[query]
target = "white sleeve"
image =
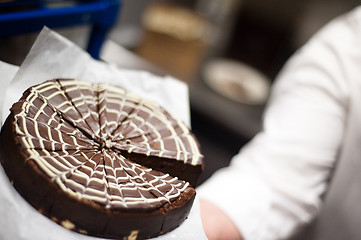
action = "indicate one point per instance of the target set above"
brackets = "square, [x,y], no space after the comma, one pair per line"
[276,182]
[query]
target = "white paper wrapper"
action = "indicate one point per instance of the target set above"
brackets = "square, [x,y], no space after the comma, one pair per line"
[53,56]
[7,72]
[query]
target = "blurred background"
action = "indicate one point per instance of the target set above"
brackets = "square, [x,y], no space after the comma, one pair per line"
[228,52]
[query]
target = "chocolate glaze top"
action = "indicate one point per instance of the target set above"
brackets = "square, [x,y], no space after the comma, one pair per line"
[79,133]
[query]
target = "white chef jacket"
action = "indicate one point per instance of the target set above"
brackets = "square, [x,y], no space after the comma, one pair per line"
[278,182]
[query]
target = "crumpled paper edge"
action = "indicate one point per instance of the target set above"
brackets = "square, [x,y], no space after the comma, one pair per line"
[51,53]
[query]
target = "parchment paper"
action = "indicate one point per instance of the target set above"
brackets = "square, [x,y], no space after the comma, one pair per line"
[53,56]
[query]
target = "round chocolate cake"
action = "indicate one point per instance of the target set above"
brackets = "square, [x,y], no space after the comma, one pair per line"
[100,160]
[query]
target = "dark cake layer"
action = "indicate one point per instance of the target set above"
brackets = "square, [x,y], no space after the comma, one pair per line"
[99,160]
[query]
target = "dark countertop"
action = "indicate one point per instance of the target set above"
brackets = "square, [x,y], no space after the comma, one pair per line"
[243,119]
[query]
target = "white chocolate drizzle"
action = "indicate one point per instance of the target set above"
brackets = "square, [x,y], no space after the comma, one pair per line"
[77,131]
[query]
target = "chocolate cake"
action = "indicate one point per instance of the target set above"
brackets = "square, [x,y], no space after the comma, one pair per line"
[100,160]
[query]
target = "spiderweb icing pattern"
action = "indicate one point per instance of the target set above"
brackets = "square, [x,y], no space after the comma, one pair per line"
[77,132]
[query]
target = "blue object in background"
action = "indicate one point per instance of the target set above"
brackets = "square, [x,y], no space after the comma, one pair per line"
[26,16]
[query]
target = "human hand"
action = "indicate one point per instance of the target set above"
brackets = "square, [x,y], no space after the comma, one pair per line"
[216,224]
